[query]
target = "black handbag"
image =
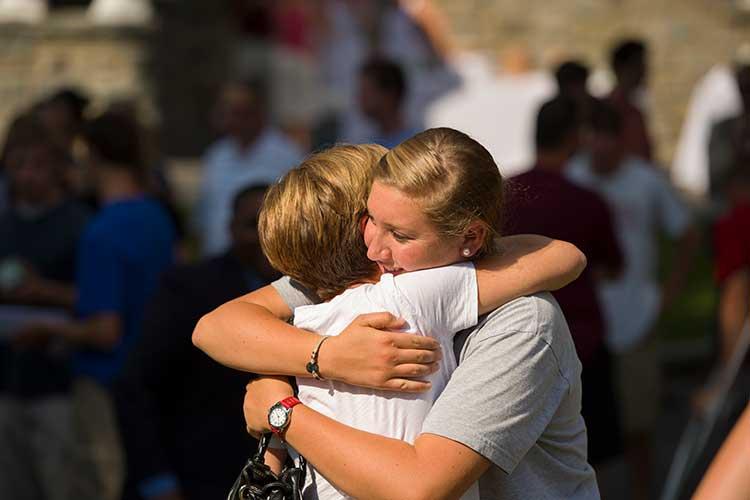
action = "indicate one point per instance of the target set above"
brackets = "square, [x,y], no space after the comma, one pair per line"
[258,482]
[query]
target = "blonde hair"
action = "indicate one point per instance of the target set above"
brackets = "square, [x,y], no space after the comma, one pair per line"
[309,224]
[454,177]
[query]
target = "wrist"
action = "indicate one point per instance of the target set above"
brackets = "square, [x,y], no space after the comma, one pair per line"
[327,359]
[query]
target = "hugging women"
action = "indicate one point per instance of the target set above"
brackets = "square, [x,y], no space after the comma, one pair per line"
[413,232]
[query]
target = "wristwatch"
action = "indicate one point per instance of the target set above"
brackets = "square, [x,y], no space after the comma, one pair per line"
[280,414]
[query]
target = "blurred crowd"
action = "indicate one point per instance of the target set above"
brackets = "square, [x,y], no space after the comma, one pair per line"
[104,270]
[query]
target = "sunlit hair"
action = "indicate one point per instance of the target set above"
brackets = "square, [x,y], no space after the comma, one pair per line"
[310,222]
[454,177]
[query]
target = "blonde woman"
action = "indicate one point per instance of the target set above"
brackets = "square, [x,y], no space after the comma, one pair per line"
[516,402]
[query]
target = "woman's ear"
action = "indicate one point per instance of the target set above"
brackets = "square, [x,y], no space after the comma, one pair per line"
[362,223]
[473,239]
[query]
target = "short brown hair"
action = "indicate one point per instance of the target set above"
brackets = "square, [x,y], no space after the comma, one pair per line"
[309,224]
[454,176]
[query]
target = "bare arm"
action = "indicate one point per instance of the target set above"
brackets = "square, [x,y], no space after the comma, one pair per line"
[404,471]
[249,333]
[101,331]
[528,264]
[728,477]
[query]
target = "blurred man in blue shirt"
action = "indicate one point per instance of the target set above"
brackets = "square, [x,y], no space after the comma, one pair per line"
[121,256]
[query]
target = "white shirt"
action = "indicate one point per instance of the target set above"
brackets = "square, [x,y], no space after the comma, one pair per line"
[643,204]
[498,110]
[714,98]
[227,169]
[437,302]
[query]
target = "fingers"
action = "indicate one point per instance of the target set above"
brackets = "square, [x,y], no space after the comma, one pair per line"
[405,385]
[410,370]
[413,341]
[380,321]
[417,356]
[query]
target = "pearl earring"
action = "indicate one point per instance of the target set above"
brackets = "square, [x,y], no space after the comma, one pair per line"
[466,252]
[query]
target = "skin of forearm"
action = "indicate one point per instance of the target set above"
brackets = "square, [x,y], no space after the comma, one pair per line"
[60,294]
[102,331]
[369,466]
[728,477]
[248,337]
[527,265]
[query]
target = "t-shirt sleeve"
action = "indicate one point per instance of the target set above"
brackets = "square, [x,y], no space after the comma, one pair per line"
[294,294]
[673,214]
[443,299]
[99,278]
[505,391]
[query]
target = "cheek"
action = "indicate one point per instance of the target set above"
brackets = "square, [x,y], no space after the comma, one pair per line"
[368,232]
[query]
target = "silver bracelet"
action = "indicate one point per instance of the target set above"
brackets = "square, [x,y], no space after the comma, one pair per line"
[312,365]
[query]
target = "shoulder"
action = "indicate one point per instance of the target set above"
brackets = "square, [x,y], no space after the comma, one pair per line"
[522,329]
[536,314]
[219,148]
[274,141]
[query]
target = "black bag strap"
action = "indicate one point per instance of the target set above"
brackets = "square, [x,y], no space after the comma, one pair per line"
[257,481]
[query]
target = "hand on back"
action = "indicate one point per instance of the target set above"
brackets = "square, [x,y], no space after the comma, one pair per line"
[369,353]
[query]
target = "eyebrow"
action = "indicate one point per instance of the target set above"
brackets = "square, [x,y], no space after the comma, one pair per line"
[391,227]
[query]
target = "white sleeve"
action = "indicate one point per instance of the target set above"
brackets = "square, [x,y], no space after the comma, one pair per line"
[444,299]
[674,216]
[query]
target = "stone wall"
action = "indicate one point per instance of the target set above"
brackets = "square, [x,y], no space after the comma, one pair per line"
[686,38]
[67,50]
[171,69]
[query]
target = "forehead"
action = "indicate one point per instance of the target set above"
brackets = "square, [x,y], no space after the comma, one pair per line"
[387,205]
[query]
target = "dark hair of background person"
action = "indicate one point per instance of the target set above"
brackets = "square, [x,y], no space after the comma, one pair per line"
[570,73]
[115,139]
[26,131]
[626,52]
[386,75]
[605,119]
[73,98]
[556,121]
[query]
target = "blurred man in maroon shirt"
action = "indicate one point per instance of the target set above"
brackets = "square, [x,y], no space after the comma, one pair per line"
[542,201]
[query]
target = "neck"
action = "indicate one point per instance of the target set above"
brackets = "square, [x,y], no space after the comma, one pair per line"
[551,161]
[116,184]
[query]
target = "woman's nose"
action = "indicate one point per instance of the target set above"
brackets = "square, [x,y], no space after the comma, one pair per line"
[377,250]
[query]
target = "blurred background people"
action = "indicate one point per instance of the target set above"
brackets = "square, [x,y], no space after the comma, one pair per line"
[382,88]
[169,390]
[629,62]
[572,83]
[543,201]
[729,144]
[39,236]
[122,253]
[644,206]
[732,254]
[250,150]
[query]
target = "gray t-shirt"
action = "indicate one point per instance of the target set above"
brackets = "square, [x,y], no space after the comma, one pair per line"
[515,398]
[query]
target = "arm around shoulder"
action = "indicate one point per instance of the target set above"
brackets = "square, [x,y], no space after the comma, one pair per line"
[528,264]
[250,334]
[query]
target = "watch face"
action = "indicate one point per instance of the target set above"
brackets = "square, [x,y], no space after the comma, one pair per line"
[277,416]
